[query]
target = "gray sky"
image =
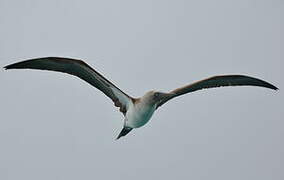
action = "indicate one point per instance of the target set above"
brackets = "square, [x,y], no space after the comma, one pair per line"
[55,126]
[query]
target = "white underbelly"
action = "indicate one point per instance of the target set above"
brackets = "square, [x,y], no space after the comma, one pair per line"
[137,116]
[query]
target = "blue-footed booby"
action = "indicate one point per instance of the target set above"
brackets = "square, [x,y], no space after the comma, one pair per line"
[137,111]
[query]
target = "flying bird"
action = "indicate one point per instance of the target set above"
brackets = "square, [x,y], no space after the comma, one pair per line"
[137,111]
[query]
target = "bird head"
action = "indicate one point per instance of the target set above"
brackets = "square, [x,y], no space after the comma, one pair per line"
[154,97]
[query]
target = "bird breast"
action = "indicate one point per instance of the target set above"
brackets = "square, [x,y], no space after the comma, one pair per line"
[139,114]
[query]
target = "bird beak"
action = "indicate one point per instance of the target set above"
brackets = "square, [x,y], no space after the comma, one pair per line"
[167,95]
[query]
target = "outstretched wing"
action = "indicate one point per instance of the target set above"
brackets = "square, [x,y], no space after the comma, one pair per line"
[219,81]
[80,69]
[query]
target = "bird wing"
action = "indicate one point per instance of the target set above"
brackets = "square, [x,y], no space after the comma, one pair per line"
[218,81]
[80,69]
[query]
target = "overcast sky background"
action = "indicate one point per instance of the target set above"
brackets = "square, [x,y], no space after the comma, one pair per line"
[55,126]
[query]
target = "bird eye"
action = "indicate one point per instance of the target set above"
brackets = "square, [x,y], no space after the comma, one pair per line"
[156,94]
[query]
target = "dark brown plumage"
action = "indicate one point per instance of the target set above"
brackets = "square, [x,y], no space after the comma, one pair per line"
[137,111]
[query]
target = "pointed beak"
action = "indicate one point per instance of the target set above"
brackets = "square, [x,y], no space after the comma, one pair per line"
[167,95]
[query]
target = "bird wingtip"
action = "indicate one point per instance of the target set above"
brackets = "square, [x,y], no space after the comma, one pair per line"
[17,65]
[274,88]
[6,67]
[271,86]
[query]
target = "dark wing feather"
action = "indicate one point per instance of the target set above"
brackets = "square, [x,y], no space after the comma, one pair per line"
[80,69]
[219,81]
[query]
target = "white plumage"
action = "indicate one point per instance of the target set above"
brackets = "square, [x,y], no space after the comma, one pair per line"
[137,111]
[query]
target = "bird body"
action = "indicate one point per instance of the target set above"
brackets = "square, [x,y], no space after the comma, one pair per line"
[137,111]
[138,114]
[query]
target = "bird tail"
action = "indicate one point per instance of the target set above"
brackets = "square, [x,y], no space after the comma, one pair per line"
[124,131]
